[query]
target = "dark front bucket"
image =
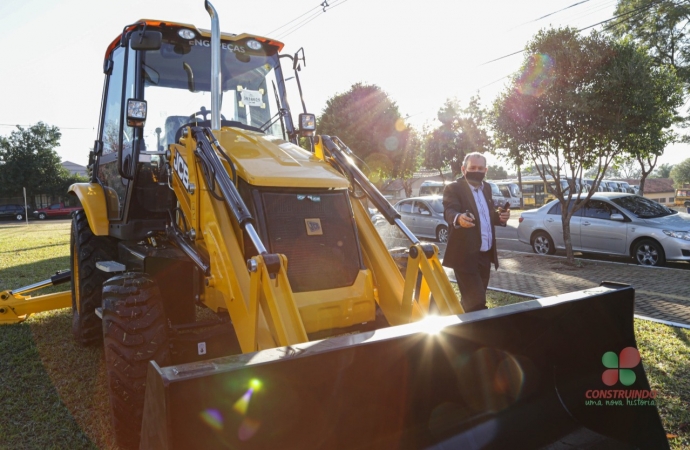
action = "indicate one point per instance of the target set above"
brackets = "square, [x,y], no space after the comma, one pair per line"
[529,375]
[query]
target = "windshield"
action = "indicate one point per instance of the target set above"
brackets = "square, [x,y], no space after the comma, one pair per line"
[642,207]
[177,86]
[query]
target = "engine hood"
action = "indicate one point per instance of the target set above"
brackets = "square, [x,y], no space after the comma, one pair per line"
[265,160]
[680,221]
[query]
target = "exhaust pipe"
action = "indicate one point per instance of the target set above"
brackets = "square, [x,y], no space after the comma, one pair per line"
[215,66]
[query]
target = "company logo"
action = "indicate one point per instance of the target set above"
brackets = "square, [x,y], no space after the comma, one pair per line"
[313,227]
[619,367]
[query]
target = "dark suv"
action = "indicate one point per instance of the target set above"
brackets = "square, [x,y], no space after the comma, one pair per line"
[14,211]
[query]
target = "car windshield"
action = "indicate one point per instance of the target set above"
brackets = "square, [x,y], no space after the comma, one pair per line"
[178,84]
[643,208]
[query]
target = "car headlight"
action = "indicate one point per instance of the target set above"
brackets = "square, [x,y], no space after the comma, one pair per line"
[685,235]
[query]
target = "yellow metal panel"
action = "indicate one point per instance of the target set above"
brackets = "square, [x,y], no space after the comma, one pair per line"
[264,160]
[93,201]
[17,308]
[338,308]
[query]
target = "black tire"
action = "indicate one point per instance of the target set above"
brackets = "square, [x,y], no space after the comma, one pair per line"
[42,216]
[19,216]
[135,331]
[442,234]
[87,281]
[648,252]
[542,244]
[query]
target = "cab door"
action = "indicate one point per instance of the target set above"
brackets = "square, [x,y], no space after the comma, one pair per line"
[114,134]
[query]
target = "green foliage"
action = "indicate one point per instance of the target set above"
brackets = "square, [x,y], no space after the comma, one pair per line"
[496,173]
[369,122]
[681,173]
[462,131]
[663,171]
[28,159]
[660,26]
[580,103]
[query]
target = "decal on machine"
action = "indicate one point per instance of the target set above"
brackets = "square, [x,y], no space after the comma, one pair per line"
[181,169]
[223,45]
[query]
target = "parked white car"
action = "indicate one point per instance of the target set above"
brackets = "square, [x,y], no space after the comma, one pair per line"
[612,223]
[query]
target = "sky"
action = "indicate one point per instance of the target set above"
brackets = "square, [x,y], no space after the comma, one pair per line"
[421,53]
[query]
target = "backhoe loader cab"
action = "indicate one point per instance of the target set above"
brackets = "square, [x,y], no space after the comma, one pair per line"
[244,298]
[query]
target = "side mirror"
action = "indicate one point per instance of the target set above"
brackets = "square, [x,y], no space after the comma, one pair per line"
[617,217]
[136,113]
[307,124]
[146,40]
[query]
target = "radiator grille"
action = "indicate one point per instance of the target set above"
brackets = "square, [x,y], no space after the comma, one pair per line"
[319,257]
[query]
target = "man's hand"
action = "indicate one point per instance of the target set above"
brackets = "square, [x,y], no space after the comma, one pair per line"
[466,220]
[503,215]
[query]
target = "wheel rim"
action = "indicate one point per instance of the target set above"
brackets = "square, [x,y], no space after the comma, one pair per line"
[647,255]
[541,245]
[19,217]
[443,235]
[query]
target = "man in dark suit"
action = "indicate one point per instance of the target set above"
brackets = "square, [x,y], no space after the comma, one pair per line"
[471,216]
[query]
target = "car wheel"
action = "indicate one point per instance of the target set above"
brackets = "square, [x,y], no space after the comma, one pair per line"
[649,253]
[19,216]
[442,234]
[542,243]
[42,216]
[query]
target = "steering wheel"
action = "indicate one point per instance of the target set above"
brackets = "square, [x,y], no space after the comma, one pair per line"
[203,112]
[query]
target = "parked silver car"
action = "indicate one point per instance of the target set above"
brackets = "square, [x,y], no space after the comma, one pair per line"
[612,223]
[424,216]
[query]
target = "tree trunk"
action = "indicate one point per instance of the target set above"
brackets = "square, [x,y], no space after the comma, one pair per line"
[565,220]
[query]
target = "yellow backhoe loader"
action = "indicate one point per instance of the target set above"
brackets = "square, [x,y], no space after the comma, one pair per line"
[244,298]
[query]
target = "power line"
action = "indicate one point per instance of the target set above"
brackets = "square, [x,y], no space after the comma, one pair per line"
[312,17]
[288,23]
[62,128]
[556,12]
[634,11]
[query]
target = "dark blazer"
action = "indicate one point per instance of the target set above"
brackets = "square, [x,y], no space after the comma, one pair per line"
[462,250]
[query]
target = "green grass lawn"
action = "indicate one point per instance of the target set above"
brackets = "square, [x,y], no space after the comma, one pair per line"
[54,392]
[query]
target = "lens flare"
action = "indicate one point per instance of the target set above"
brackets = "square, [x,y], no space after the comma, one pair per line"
[248,428]
[255,384]
[242,404]
[400,125]
[391,143]
[537,75]
[213,418]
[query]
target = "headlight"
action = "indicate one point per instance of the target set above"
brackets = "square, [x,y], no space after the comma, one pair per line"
[685,235]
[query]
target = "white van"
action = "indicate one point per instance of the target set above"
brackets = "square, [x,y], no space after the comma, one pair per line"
[433,187]
[511,192]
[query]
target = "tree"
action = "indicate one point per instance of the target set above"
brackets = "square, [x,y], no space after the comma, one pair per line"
[660,26]
[578,103]
[369,122]
[28,159]
[681,173]
[462,131]
[496,173]
[663,171]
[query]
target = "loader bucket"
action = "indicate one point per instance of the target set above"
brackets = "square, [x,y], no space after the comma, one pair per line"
[538,374]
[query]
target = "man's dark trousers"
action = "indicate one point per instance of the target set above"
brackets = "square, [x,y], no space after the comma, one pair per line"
[473,285]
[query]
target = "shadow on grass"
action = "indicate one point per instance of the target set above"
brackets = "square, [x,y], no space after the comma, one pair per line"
[24,274]
[33,415]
